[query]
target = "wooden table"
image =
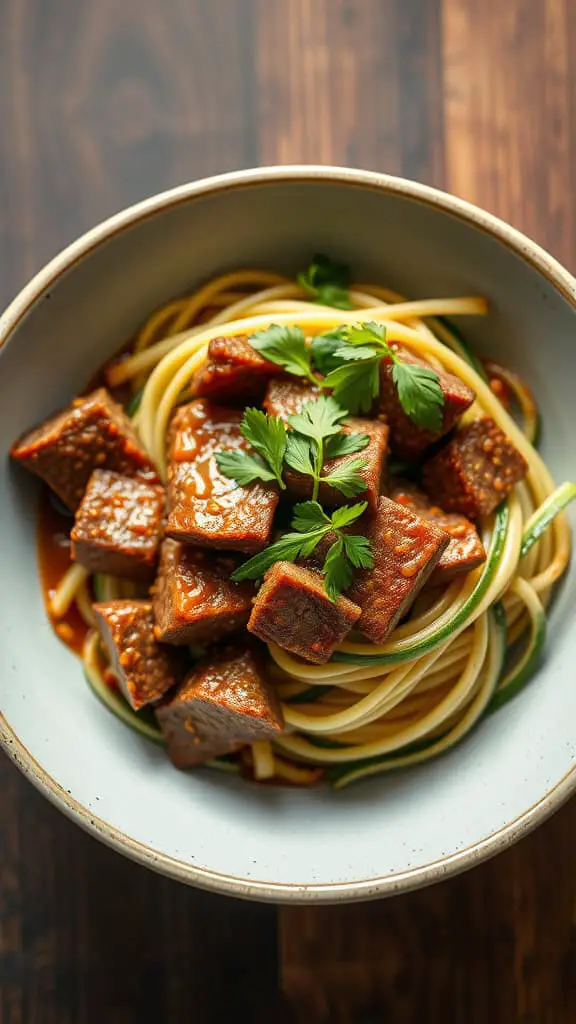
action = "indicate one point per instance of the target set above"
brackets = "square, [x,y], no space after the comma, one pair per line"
[103,103]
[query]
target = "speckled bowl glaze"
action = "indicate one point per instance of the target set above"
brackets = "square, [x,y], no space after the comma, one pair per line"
[388,834]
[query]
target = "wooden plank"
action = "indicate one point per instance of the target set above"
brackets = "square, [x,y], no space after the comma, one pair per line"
[508,102]
[496,944]
[328,83]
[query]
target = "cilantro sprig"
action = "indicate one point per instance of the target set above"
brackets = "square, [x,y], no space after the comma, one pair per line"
[310,524]
[348,358]
[327,282]
[316,436]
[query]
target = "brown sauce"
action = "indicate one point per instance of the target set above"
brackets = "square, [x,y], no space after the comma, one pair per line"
[54,559]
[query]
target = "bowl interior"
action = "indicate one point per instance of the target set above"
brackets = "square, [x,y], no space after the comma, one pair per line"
[245,835]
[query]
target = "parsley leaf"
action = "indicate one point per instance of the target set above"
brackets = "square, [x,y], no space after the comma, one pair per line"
[310,524]
[353,354]
[323,348]
[318,419]
[299,455]
[326,281]
[286,347]
[337,570]
[370,332]
[355,385]
[287,549]
[353,375]
[347,478]
[420,394]
[267,434]
[358,551]
[345,444]
[309,515]
[243,467]
[348,514]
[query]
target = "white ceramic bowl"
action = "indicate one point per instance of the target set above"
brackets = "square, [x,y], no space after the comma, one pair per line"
[387,834]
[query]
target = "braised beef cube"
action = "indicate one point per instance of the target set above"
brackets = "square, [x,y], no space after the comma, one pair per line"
[233,372]
[194,598]
[93,432]
[475,470]
[407,439]
[145,669]
[224,703]
[205,507]
[118,525]
[293,610]
[406,550]
[286,397]
[465,550]
[300,486]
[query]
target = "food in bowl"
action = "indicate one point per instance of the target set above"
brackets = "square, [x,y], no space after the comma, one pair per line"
[312,537]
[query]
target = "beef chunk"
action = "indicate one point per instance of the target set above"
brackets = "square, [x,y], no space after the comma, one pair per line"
[234,372]
[94,432]
[293,610]
[475,471]
[300,486]
[194,598]
[145,669]
[286,397]
[118,525]
[224,703]
[406,549]
[465,550]
[407,440]
[205,507]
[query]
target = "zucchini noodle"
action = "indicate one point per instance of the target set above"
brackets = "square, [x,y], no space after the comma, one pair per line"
[373,707]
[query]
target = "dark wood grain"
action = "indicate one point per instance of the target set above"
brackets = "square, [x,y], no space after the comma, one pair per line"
[102,104]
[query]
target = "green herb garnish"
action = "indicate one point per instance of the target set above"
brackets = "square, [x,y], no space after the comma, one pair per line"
[267,435]
[356,382]
[286,347]
[327,282]
[310,524]
[349,358]
[315,436]
[315,427]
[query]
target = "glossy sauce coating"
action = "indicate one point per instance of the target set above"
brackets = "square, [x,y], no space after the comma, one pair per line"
[406,549]
[206,508]
[194,599]
[54,560]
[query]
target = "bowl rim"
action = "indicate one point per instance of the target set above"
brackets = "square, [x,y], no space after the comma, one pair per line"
[203,877]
